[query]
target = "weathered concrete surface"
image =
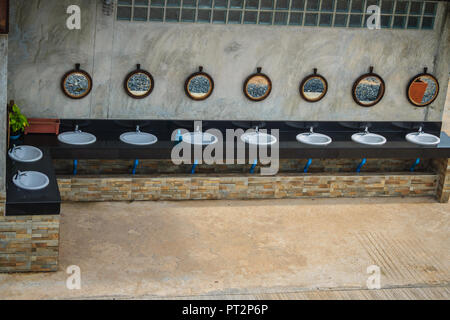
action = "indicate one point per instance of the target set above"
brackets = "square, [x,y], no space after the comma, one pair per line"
[43,50]
[3,102]
[128,250]
[446,118]
[422,293]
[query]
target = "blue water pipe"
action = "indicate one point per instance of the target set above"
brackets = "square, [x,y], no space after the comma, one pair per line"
[75,167]
[136,162]
[178,137]
[194,166]
[413,167]
[363,162]
[252,169]
[305,169]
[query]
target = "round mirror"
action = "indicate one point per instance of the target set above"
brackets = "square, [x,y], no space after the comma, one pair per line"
[139,83]
[423,89]
[199,85]
[77,83]
[258,86]
[314,87]
[368,89]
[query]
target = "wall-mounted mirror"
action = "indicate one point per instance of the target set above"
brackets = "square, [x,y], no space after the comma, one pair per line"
[199,85]
[257,86]
[314,87]
[423,89]
[139,83]
[368,89]
[77,83]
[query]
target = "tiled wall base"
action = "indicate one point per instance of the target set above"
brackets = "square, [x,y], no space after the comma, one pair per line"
[443,188]
[147,166]
[2,202]
[29,243]
[240,186]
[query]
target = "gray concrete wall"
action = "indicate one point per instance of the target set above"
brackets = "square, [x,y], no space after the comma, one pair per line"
[42,50]
[3,102]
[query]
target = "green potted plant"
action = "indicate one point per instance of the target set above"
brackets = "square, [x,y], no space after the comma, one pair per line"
[17,122]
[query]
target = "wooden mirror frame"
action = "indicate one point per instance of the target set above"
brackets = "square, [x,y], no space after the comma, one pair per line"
[425,73]
[309,77]
[67,74]
[192,76]
[132,73]
[380,94]
[257,74]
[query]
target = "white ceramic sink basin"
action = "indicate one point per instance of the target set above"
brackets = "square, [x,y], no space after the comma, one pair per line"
[422,138]
[30,180]
[138,138]
[258,138]
[199,138]
[77,137]
[368,138]
[316,139]
[25,154]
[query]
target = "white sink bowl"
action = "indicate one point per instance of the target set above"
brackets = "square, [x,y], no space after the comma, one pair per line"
[258,138]
[77,138]
[315,139]
[422,138]
[371,139]
[138,138]
[25,154]
[199,138]
[30,180]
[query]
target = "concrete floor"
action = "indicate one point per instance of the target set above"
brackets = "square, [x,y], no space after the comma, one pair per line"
[248,249]
[283,249]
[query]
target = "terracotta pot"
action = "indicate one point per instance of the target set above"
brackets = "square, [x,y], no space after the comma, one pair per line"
[42,126]
[417,91]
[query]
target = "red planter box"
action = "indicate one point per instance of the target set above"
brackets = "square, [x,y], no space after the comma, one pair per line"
[42,126]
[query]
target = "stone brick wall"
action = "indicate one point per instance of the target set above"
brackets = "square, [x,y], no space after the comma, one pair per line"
[233,186]
[29,243]
[2,202]
[147,166]
[443,188]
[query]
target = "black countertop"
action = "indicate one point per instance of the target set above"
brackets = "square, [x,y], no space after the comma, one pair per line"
[38,202]
[108,145]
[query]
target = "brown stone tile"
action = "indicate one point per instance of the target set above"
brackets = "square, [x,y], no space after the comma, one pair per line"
[289,187]
[204,188]
[317,186]
[146,188]
[175,189]
[233,188]
[29,243]
[261,187]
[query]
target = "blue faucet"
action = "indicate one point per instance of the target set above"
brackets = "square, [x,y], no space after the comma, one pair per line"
[178,137]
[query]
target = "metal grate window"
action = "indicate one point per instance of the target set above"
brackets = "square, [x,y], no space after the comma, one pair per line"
[395,14]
